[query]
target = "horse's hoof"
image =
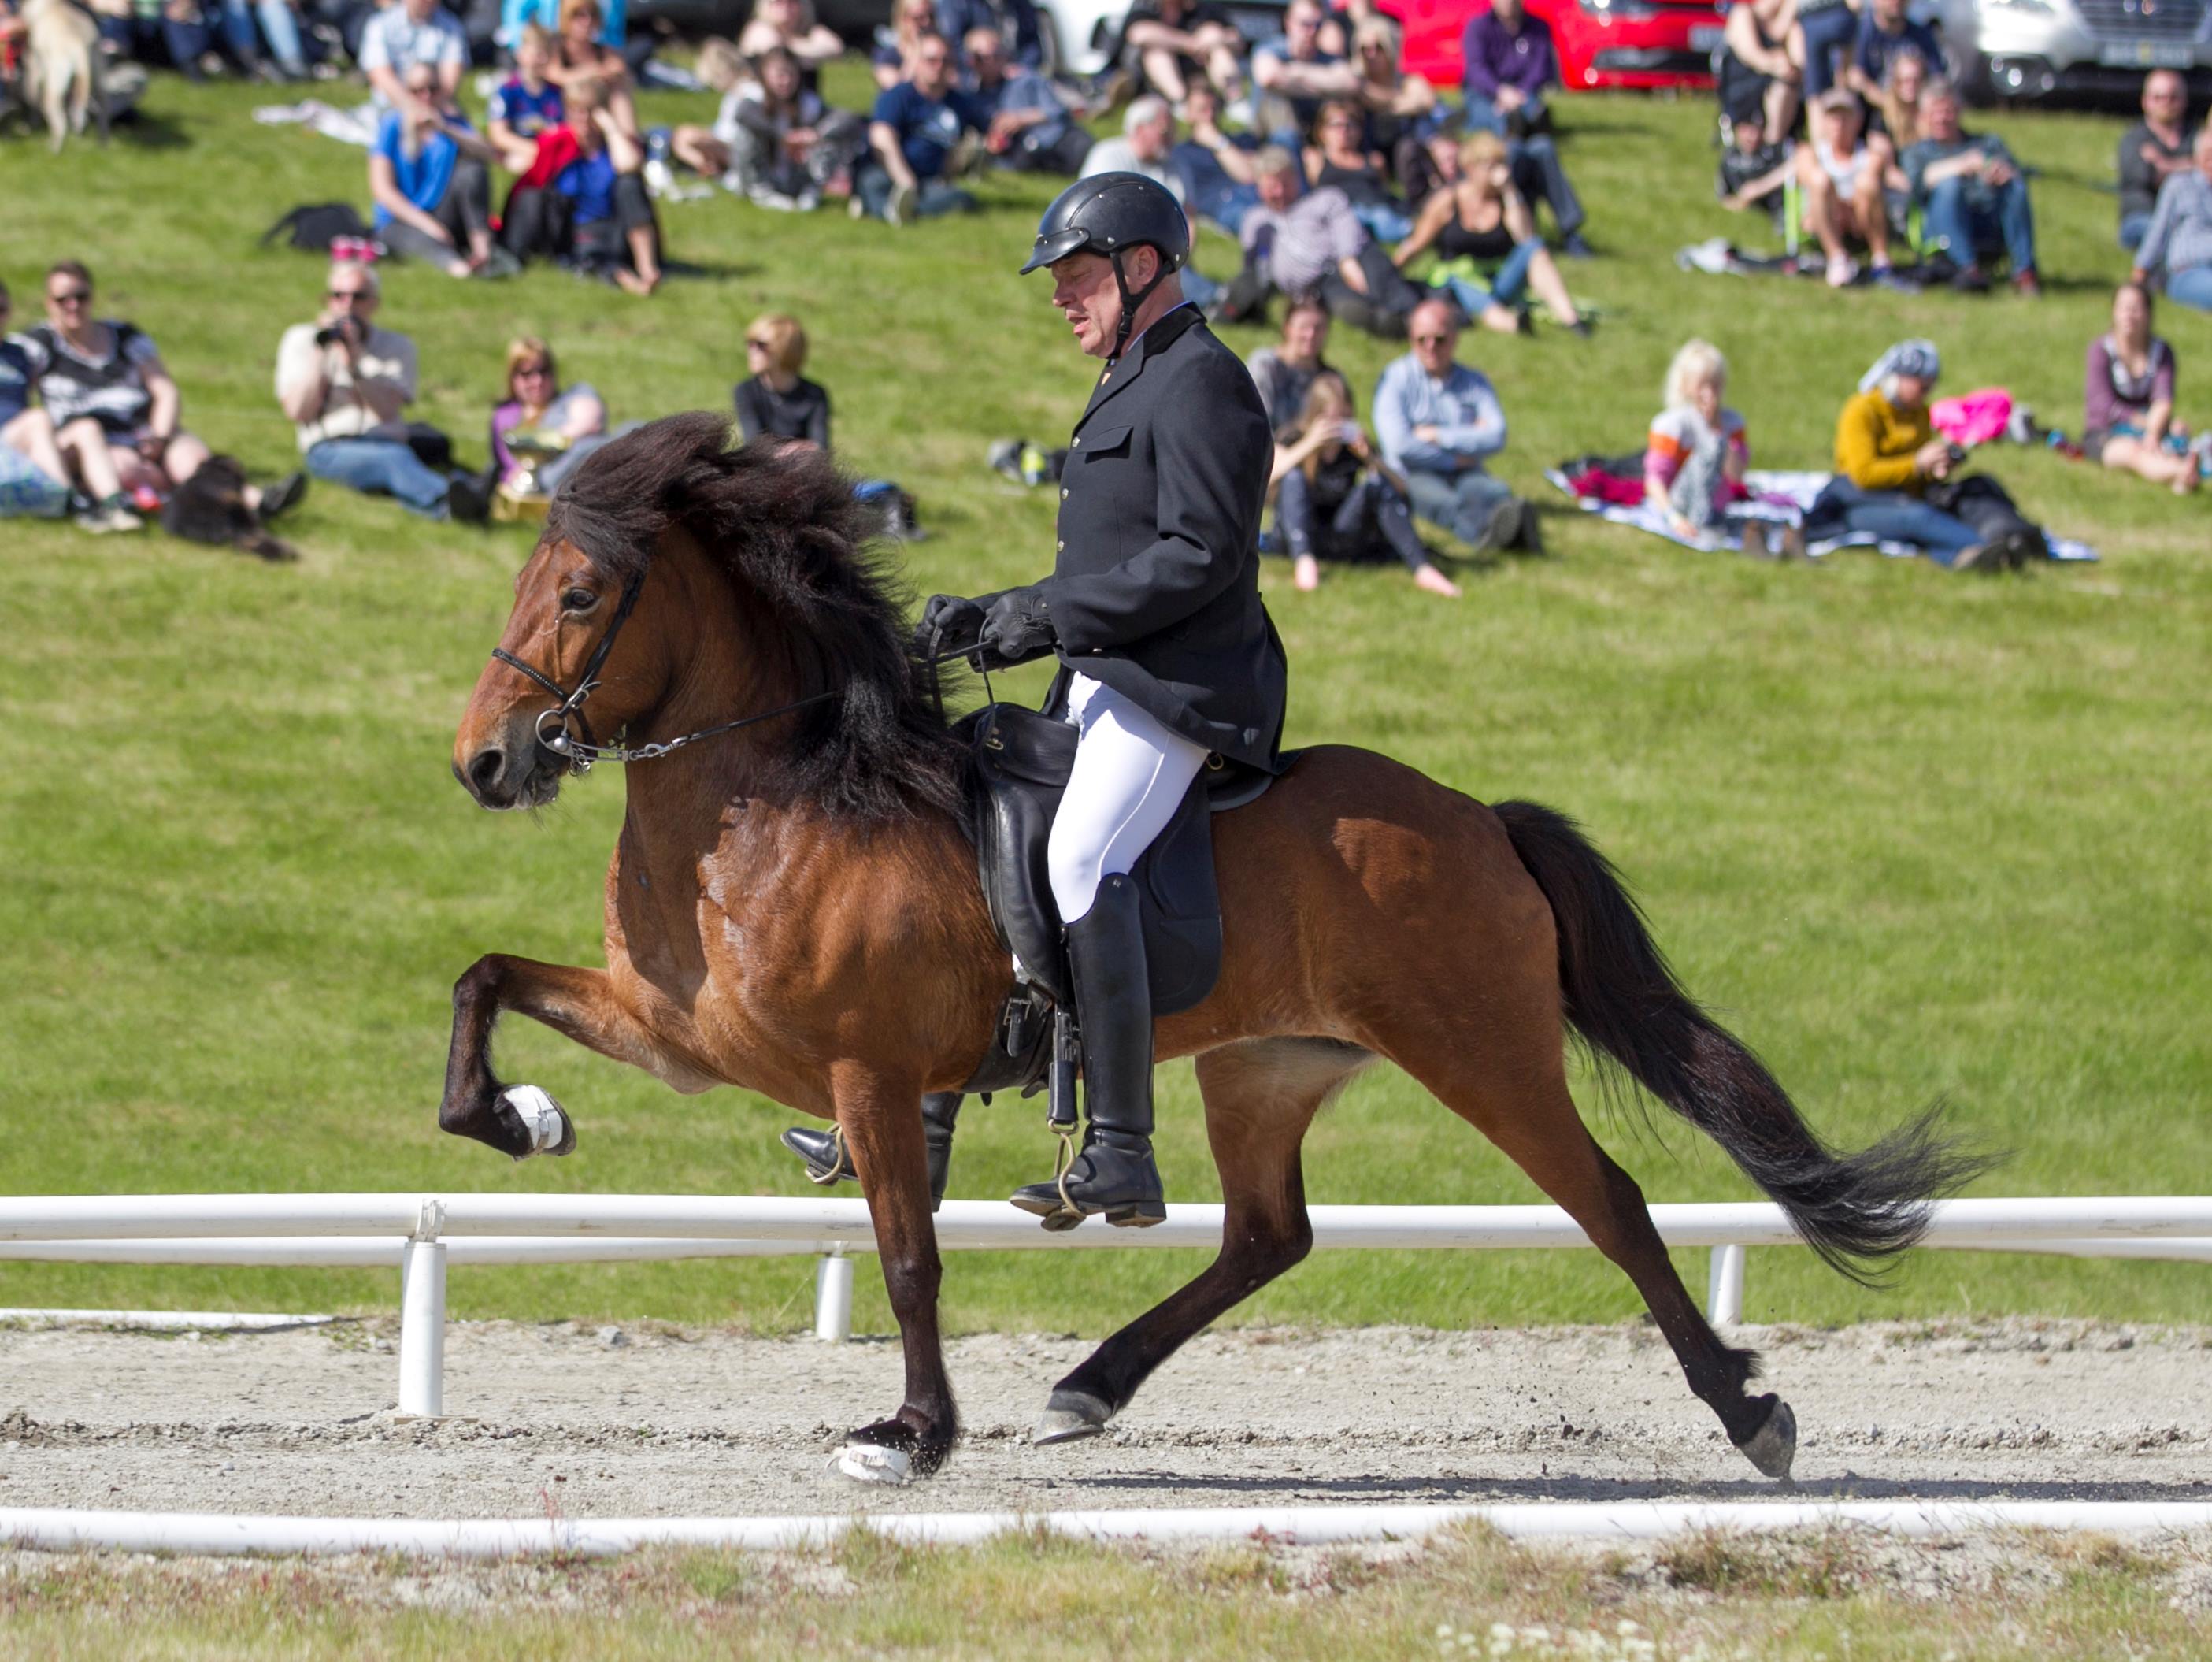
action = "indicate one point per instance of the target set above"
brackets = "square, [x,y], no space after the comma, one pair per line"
[1069,1417]
[1773,1446]
[872,1463]
[551,1131]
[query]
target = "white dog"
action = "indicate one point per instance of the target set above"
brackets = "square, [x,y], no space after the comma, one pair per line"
[63,73]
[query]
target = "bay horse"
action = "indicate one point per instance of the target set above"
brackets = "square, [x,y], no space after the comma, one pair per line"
[792,908]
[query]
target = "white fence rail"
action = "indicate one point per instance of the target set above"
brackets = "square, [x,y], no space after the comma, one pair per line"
[422,1235]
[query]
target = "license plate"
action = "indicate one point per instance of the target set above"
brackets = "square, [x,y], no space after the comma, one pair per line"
[1704,37]
[2150,54]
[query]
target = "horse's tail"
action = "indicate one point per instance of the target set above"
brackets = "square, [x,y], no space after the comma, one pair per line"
[1854,1210]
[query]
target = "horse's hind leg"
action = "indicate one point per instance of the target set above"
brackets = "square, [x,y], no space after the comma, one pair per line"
[523,1120]
[1261,1095]
[1520,1101]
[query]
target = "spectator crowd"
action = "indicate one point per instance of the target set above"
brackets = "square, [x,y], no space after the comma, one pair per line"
[1354,192]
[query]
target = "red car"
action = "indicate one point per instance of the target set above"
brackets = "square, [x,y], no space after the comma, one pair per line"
[1643,44]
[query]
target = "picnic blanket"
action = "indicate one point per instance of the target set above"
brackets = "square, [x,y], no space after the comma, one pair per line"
[1603,487]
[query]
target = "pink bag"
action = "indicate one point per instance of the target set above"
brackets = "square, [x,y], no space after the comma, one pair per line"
[1975,417]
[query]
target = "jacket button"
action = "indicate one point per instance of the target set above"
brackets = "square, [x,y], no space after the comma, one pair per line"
[1078,445]
[1059,548]
[1063,493]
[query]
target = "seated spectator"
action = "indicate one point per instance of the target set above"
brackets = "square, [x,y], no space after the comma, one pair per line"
[1400,106]
[1898,479]
[579,54]
[408,35]
[1147,146]
[1755,171]
[537,407]
[1313,245]
[346,384]
[157,32]
[1696,454]
[1014,22]
[1971,194]
[787,149]
[525,104]
[1759,81]
[33,478]
[891,58]
[1213,169]
[1339,156]
[1032,128]
[1285,373]
[581,197]
[1483,238]
[1823,36]
[1842,172]
[2177,243]
[1170,46]
[1437,420]
[427,177]
[2128,401]
[251,25]
[115,409]
[1336,499]
[790,24]
[1884,29]
[915,129]
[775,401]
[1902,89]
[1431,166]
[2156,149]
[1299,71]
[1509,62]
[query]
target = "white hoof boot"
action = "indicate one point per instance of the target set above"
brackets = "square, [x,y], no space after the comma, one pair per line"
[546,1120]
[868,1462]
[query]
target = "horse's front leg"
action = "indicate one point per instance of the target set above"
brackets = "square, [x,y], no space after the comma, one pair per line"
[522,1120]
[882,1125]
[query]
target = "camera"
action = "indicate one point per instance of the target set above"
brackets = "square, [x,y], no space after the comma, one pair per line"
[1956,453]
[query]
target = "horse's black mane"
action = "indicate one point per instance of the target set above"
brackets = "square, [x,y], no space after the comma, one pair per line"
[783,524]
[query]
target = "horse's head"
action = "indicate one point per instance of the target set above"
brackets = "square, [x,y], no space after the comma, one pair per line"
[577,660]
[683,591]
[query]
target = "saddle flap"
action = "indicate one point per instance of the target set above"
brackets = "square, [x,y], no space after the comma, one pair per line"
[1021,762]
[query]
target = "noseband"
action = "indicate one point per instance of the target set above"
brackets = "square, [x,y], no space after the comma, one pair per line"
[581,750]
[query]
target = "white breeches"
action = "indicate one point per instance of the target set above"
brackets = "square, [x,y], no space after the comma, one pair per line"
[1130,774]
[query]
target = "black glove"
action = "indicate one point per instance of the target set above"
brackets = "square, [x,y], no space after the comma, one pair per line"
[1017,629]
[949,624]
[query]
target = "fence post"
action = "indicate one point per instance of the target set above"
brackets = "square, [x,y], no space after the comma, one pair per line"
[1724,1287]
[832,1298]
[423,1318]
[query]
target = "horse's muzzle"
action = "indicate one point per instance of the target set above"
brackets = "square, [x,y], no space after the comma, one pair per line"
[501,778]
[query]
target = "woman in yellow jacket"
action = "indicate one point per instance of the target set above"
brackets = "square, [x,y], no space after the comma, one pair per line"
[1890,462]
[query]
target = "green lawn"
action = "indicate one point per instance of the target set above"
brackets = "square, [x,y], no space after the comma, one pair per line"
[1912,834]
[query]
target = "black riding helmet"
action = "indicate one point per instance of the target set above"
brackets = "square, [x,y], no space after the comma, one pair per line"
[1109,214]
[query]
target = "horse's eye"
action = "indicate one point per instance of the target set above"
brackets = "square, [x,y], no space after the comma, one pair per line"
[578,600]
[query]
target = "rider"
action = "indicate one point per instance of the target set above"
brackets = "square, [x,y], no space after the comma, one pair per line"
[1167,655]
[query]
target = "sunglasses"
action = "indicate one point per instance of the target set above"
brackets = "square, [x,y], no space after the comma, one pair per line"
[1431,340]
[70,297]
[356,296]
[758,346]
[532,371]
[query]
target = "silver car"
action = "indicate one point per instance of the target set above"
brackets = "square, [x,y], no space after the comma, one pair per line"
[2032,48]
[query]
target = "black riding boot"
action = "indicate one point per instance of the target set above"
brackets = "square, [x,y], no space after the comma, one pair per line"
[1114,1173]
[827,1160]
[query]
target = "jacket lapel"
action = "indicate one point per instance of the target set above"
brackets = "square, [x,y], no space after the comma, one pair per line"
[1154,341]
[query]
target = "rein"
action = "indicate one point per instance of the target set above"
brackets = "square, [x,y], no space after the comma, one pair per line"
[581,752]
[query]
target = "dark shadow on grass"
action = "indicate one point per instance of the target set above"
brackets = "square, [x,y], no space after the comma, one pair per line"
[142,130]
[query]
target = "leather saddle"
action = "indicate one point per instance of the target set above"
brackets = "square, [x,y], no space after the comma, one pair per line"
[1019,762]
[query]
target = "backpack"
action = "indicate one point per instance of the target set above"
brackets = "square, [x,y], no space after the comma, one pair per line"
[315,226]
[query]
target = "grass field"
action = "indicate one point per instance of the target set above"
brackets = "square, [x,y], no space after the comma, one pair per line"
[1710,1598]
[1912,834]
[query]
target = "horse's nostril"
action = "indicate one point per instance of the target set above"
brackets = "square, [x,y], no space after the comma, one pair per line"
[484,766]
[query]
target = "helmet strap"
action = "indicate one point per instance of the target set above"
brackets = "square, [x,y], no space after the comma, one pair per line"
[1131,299]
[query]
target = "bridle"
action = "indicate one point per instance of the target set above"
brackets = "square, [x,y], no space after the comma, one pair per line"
[580,753]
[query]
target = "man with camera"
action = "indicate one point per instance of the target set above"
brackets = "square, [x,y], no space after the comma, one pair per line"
[344,383]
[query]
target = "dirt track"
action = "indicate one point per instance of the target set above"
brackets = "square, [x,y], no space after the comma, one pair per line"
[658,1423]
